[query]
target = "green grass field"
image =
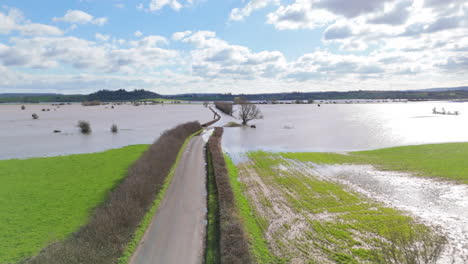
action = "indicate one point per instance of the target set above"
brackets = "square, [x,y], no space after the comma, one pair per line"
[45,199]
[447,161]
[298,217]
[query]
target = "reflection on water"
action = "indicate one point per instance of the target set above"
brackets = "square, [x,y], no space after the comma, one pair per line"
[437,203]
[21,136]
[348,127]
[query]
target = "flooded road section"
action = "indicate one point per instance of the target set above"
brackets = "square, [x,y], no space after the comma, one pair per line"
[436,203]
[23,137]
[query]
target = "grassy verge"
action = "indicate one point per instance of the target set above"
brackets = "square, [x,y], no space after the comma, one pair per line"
[447,161]
[43,200]
[305,219]
[212,254]
[113,223]
[140,232]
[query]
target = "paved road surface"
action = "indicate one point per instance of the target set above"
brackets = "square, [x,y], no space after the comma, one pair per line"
[177,232]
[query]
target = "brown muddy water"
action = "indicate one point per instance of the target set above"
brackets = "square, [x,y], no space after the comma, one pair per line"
[23,137]
[348,127]
[440,204]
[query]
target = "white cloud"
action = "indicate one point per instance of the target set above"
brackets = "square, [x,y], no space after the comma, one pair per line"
[241,13]
[138,33]
[181,35]
[80,17]
[15,21]
[102,37]
[156,5]
[119,5]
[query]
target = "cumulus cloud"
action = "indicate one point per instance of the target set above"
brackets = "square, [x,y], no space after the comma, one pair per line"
[102,37]
[15,21]
[156,5]
[241,13]
[80,17]
[138,33]
[181,35]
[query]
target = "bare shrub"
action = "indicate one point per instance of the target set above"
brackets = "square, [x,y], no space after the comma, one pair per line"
[205,104]
[224,107]
[35,116]
[84,127]
[114,128]
[234,247]
[112,225]
[249,111]
[23,107]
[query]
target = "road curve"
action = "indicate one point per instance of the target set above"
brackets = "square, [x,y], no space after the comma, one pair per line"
[176,234]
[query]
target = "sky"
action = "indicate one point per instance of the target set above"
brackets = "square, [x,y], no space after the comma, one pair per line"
[232,46]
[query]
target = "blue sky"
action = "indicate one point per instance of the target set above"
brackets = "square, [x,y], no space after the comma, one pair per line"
[250,46]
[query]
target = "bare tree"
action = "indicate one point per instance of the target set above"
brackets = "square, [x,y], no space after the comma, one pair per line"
[249,111]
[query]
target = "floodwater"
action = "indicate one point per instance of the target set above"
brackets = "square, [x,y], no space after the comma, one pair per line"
[436,203]
[23,137]
[348,127]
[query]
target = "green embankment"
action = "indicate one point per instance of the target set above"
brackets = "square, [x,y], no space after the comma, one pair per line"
[45,199]
[308,219]
[447,161]
[254,225]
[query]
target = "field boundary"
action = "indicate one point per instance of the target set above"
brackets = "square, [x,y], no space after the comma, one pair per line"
[233,245]
[143,227]
[112,224]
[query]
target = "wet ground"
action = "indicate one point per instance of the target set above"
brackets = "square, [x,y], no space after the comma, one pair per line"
[23,137]
[440,204]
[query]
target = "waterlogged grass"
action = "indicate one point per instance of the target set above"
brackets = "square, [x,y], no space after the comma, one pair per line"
[448,161]
[212,253]
[305,219]
[45,199]
[253,224]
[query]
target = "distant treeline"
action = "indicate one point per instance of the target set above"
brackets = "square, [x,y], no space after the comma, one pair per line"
[123,95]
[410,95]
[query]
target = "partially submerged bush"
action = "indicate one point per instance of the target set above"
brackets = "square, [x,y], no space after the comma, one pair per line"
[224,107]
[91,103]
[114,128]
[35,116]
[23,107]
[113,223]
[84,126]
[234,248]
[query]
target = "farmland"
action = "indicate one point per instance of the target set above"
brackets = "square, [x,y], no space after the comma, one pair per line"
[43,200]
[445,161]
[305,219]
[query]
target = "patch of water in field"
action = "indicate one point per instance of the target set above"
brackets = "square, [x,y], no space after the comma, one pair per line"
[437,203]
[348,127]
[22,137]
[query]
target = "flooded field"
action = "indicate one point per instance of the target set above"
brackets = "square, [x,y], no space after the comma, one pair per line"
[348,127]
[439,204]
[23,137]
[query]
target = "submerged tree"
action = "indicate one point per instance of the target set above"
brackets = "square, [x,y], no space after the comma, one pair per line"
[249,111]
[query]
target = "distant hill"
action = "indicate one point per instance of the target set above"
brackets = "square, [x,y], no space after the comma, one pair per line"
[461,88]
[455,93]
[26,94]
[122,95]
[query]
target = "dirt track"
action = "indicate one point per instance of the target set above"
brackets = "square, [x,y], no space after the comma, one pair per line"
[177,232]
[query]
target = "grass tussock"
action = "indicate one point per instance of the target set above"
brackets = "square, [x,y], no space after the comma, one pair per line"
[224,107]
[112,225]
[234,247]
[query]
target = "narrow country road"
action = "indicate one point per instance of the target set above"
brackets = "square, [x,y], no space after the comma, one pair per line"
[176,234]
